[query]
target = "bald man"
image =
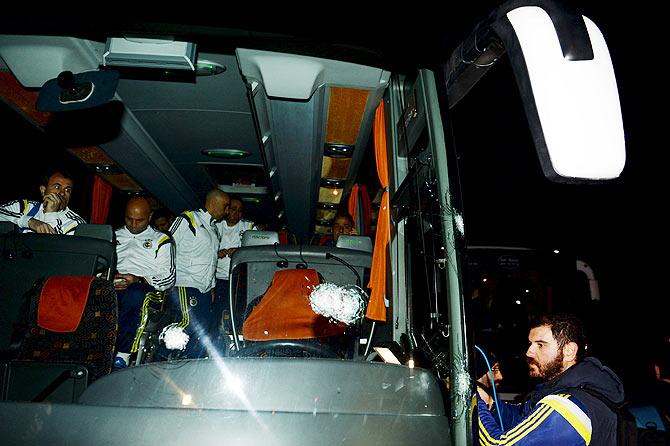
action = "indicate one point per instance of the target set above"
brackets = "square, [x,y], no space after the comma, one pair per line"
[145,264]
[197,241]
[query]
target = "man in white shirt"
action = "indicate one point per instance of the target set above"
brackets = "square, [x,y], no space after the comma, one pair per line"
[145,264]
[51,215]
[197,242]
[231,230]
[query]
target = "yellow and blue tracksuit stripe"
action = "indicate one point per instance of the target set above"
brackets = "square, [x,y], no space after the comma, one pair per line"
[195,310]
[557,419]
[130,300]
[149,298]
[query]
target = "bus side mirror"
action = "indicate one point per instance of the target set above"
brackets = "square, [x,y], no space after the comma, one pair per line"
[565,76]
[566,80]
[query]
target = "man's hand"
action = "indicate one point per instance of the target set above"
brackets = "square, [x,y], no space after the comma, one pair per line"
[226,252]
[123,281]
[53,203]
[40,227]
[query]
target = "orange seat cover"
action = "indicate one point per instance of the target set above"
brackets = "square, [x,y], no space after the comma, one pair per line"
[62,303]
[285,312]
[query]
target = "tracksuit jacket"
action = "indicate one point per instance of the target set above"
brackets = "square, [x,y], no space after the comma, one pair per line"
[557,412]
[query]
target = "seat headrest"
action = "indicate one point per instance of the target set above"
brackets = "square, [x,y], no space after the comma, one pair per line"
[357,242]
[102,232]
[257,238]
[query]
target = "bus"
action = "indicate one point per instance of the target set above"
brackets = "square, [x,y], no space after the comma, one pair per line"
[291,120]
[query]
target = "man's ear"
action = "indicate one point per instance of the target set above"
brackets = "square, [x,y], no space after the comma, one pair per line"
[43,190]
[570,352]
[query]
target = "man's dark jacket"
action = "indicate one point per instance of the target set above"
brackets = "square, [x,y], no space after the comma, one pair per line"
[588,374]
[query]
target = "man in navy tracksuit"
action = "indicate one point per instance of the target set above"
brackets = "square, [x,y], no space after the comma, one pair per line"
[558,412]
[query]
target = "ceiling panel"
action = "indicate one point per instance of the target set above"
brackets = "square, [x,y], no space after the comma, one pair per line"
[197,177]
[225,91]
[206,130]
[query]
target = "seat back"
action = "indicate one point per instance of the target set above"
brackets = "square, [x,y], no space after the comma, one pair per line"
[27,257]
[262,262]
[91,343]
[357,242]
[260,238]
[259,264]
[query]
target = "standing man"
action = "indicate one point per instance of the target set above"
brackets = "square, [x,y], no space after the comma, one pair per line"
[51,215]
[145,264]
[162,219]
[197,241]
[231,230]
[561,410]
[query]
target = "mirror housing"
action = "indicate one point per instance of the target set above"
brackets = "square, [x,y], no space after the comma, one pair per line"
[565,76]
[78,91]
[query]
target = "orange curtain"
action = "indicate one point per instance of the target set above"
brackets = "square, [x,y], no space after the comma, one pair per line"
[377,308]
[102,195]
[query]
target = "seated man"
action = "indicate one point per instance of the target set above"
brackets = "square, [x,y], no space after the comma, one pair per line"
[486,379]
[51,215]
[343,224]
[145,264]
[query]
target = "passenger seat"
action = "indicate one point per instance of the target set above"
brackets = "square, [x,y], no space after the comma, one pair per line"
[28,259]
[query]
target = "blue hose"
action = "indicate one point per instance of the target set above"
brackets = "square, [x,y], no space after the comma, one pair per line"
[493,385]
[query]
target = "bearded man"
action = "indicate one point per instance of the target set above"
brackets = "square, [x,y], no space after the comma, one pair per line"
[567,407]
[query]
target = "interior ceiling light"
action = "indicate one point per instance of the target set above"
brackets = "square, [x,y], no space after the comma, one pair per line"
[331,182]
[339,150]
[330,195]
[251,200]
[225,153]
[106,169]
[207,68]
